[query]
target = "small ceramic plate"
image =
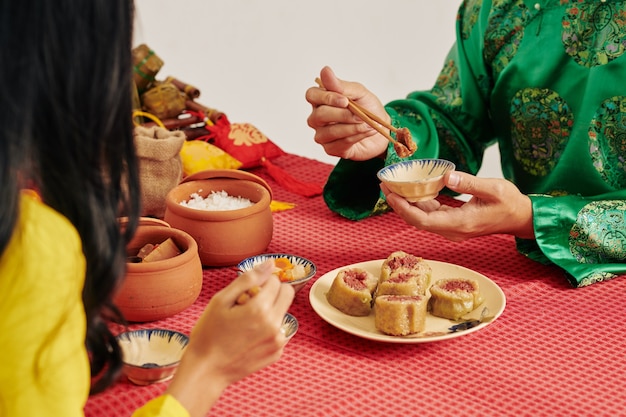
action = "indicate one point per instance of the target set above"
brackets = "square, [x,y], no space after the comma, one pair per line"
[436,328]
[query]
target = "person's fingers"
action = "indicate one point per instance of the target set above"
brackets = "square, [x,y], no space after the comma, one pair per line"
[247,282]
[428,206]
[330,80]
[464,183]
[285,297]
[329,115]
[274,299]
[395,201]
[342,89]
[460,182]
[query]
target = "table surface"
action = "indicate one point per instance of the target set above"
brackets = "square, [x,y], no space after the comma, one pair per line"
[555,350]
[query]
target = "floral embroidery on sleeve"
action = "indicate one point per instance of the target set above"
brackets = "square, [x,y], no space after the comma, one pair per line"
[599,234]
[607,141]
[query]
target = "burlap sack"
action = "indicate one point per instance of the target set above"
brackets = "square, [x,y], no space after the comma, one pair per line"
[160,166]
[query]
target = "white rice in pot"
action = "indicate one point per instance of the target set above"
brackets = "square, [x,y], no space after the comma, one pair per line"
[216,201]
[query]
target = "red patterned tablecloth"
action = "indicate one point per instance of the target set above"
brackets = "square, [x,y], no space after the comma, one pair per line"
[555,351]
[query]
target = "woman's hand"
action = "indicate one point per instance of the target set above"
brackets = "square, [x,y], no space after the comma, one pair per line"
[231,340]
[496,206]
[340,132]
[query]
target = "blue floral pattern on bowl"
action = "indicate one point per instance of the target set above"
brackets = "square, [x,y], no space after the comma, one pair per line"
[249,263]
[416,179]
[151,355]
[289,326]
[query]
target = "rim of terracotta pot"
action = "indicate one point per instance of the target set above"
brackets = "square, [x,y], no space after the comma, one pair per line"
[173,205]
[143,221]
[228,173]
[186,254]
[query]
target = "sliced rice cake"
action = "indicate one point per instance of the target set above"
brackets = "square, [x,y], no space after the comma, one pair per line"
[400,315]
[452,298]
[351,291]
[404,283]
[400,261]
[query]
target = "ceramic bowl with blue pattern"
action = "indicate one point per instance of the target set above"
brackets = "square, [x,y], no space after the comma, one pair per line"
[151,355]
[289,326]
[417,179]
[300,272]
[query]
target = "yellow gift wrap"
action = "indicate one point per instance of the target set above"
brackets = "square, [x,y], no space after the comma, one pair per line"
[197,155]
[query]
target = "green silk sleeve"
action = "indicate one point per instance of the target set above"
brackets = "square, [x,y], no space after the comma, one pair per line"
[352,188]
[585,236]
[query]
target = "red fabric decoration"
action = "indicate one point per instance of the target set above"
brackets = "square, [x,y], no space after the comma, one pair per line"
[220,129]
[284,179]
[244,142]
[252,148]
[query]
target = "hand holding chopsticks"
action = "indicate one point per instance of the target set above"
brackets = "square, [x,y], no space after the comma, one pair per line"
[403,144]
[246,295]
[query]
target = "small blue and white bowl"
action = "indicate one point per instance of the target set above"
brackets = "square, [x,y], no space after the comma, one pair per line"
[289,326]
[297,284]
[416,179]
[151,355]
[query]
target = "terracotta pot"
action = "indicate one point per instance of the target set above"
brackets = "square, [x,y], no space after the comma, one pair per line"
[159,289]
[224,237]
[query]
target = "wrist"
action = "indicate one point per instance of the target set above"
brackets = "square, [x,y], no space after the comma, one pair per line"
[196,385]
[524,213]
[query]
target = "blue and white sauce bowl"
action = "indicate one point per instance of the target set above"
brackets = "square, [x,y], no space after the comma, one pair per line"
[151,355]
[416,179]
[306,267]
[289,326]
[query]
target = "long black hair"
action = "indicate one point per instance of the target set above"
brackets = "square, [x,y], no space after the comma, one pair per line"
[66,127]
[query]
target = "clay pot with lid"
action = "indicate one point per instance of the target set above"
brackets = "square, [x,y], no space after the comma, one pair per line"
[224,237]
[159,289]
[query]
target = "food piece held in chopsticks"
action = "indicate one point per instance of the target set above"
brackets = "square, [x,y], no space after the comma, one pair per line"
[405,145]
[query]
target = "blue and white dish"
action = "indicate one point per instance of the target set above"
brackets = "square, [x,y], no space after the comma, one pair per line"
[289,326]
[309,267]
[151,355]
[416,179]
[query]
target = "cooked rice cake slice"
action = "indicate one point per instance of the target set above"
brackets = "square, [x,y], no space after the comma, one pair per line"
[400,315]
[452,298]
[400,261]
[404,283]
[351,291]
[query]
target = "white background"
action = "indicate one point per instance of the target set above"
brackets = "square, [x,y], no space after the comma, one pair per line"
[254,60]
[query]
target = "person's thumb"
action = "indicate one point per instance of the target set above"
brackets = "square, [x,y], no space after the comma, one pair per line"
[330,80]
[461,182]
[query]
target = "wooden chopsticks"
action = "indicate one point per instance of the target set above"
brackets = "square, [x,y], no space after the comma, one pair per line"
[368,117]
